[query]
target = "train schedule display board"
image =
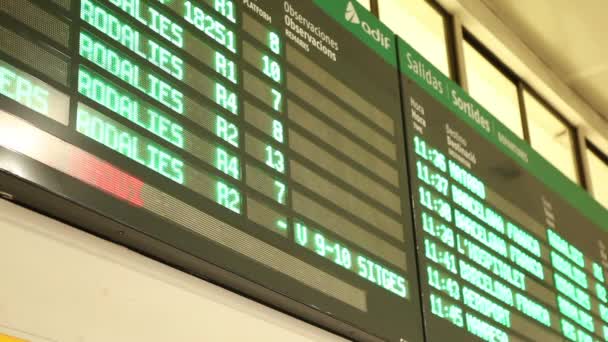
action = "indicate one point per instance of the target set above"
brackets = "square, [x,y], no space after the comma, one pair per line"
[508,248]
[257,143]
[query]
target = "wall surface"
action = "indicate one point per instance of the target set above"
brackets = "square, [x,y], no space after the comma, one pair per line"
[60,284]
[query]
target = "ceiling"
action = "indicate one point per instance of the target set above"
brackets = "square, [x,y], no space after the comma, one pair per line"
[570,36]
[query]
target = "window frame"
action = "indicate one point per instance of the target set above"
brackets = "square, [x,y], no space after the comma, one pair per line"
[572,132]
[489,55]
[448,29]
[601,155]
[373,5]
[449,37]
[522,86]
[468,37]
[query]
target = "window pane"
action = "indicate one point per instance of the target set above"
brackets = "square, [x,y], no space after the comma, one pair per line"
[550,136]
[598,171]
[365,4]
[490,87]
[420,25]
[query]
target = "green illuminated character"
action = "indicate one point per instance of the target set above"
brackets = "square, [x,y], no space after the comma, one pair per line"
[226,8]
[301,234]
[343,257]
[23,91]
[277,130]
[281,190]
[320,244]
[165,27]
[130,145]
[165,94]
[225,67]
[227,131]
[209,25]
[226,98]
[271,69]
[282,224]
[227,163]
[274,42]
[275,159]
[277,101]
[228,197]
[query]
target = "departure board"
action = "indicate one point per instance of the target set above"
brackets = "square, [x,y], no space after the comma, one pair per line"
[508,248]
[255,143]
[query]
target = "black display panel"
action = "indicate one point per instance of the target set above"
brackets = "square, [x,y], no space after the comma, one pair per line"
[508,248]
[255,143]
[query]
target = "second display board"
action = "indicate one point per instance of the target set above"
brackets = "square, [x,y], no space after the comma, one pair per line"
[508,248]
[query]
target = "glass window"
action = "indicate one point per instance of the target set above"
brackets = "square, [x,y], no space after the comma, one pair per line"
[598,172]
[550,136]
[420,25]
[492,89]
[366,4]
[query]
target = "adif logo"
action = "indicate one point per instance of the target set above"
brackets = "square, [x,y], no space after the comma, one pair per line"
[352,16]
